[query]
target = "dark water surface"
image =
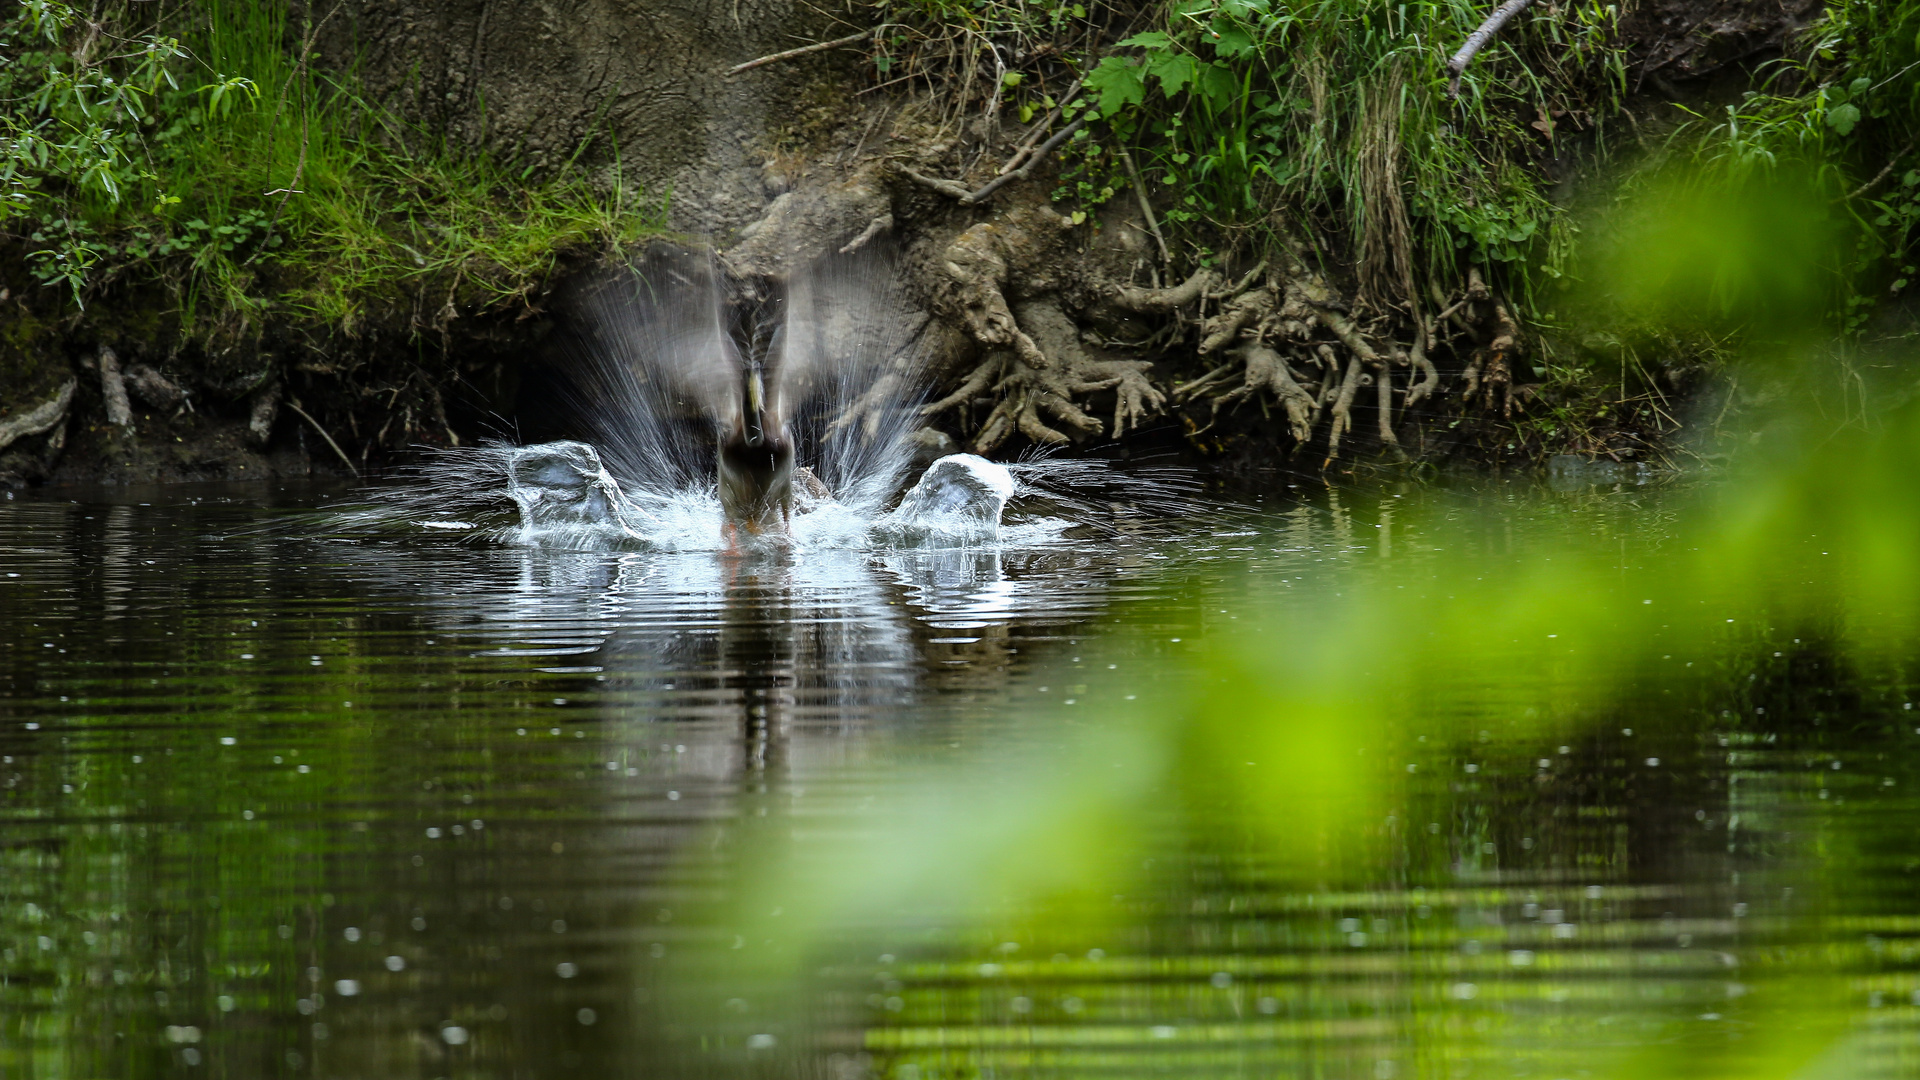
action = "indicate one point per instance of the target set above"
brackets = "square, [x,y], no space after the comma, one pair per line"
[274,803]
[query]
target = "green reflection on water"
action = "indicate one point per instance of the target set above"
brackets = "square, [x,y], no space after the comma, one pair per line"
[1397,783]
[1751,668]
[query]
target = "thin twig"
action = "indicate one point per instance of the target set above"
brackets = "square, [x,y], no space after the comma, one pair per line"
[1146,206]
[1478,40]
[1039,155]
[1879,176]
[1039,129]
[806,49]
[344,459]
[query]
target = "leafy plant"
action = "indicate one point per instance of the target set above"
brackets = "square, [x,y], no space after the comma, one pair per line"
[1840,117]
[1341,109]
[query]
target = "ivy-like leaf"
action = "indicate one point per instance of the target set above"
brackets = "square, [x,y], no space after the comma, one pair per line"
[1842,118]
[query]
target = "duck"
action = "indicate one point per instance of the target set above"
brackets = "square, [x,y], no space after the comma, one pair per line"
[755,462]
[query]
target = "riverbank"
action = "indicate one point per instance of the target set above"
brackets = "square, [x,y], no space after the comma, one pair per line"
[1118,241]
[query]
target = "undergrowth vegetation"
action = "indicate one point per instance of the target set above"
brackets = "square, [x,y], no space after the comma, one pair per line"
[1333,137]
[1840,121]
[1342,111]
[198,146]
[1250,118]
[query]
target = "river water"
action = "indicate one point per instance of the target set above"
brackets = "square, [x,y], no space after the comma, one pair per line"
[281,801]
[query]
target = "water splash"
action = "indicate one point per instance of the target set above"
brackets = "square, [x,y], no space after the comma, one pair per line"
[652,370]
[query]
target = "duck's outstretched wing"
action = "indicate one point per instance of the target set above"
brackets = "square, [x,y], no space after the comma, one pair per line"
[849,341]
[653,355]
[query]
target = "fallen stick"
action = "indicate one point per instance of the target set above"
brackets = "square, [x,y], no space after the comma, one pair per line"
[1146,207]
[953,188]
[344,459]
[1037,156]
[806,49]
[1033,136]
[1478,40]
[40,420]
[113,387]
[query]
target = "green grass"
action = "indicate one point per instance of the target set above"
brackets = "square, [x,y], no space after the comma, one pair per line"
[1269,121]
[247,182]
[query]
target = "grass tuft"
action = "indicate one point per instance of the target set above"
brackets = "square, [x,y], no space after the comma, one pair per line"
[200,148]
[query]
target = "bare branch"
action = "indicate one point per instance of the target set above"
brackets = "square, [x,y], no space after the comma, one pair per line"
[806,49]
[1479,38]
[344,459]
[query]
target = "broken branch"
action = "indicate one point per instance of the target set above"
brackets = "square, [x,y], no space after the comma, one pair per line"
[806,49]
[38,421]
[1479,38]
[344,459]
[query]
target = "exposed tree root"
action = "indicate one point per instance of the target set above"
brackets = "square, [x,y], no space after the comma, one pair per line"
[1489,374]
[1267,371]
[1031,399]
[1163,301]
[1020,295]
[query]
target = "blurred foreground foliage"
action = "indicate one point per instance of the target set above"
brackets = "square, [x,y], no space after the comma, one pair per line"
[1278,749]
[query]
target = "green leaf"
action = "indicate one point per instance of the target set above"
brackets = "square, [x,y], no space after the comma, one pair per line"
[1174,70]
[1118,83]
[1842,118]
[1216,83]
[1232,42]
[1152,39]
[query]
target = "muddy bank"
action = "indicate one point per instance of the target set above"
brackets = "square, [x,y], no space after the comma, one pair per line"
[1042,325]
